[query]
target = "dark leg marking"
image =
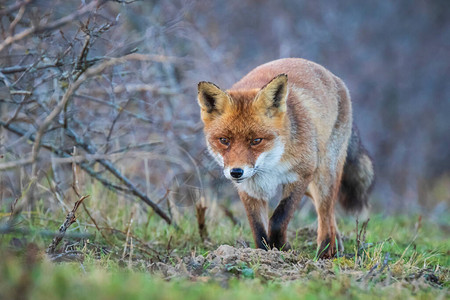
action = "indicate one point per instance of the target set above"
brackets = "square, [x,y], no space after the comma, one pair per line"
[259,235]
[279,222]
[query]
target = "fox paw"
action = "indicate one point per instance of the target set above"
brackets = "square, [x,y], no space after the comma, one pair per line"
[285,247]
[282,246]
[329,248]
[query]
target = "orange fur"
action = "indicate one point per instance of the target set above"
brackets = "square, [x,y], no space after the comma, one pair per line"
[302,113]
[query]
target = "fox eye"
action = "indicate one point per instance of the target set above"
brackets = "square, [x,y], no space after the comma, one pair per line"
[224,141]
[255,142]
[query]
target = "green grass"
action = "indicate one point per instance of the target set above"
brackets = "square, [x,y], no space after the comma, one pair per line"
[68,281]
[414,253]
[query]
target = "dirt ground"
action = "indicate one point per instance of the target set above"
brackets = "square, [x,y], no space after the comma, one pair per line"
[227,261]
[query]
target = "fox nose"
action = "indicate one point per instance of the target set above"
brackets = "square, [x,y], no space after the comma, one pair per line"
[236,172]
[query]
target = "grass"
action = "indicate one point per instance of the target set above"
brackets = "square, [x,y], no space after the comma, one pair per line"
[401,257]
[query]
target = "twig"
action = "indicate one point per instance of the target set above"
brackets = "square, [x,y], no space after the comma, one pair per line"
[56,191]
[92,61]
[371,271]
[16,20]
[53,25]
[417,227]
[70,219]
[385,264]
[67,256]
[59,152]
[113,123]
[230,215]
[201,220]
[76,190]
[13,213]
[55,112]
[116,106]
[74,174]
[71,90]
[106,183]
[138,146]
[110,167]
[80,65]
[90,149]
[96,225]
[115,230]
[130,257]
[126,1]
[130,223]
[56,64]
[365,277]
[16,112]
[360,236]
[15,164]
[14,7]
[144,88]
[78,159]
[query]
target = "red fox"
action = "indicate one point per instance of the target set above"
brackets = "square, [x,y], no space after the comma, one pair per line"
[288,122]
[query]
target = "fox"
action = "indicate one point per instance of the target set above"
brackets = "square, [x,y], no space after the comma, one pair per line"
[288,123]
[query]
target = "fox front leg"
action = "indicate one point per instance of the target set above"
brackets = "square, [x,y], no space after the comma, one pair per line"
[257,217]
[282,215]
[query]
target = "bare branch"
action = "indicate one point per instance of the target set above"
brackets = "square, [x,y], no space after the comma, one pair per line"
[15,164]
[29,136]
[107,164]
[135,87]
[70,219]
[96,225]
[53,25]
[16,20]
[17,69]
[116,106]
[73,87]
[111,168]
[14,7]
[93,157]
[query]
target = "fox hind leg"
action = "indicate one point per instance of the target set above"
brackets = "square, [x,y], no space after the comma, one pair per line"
[329,242]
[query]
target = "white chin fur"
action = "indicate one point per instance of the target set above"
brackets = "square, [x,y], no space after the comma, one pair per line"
[268,174]
[261,182]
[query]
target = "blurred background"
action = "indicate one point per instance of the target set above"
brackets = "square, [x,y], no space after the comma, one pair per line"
[141,115]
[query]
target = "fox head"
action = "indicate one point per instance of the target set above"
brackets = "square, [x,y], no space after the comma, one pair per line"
[245,129]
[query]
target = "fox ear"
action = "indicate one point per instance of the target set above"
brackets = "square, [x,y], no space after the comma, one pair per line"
[212,99]
[272,97]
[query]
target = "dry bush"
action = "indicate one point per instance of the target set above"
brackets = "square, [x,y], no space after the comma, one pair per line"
[78,90]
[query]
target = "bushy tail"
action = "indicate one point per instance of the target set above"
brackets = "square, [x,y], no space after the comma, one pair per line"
[358,176]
